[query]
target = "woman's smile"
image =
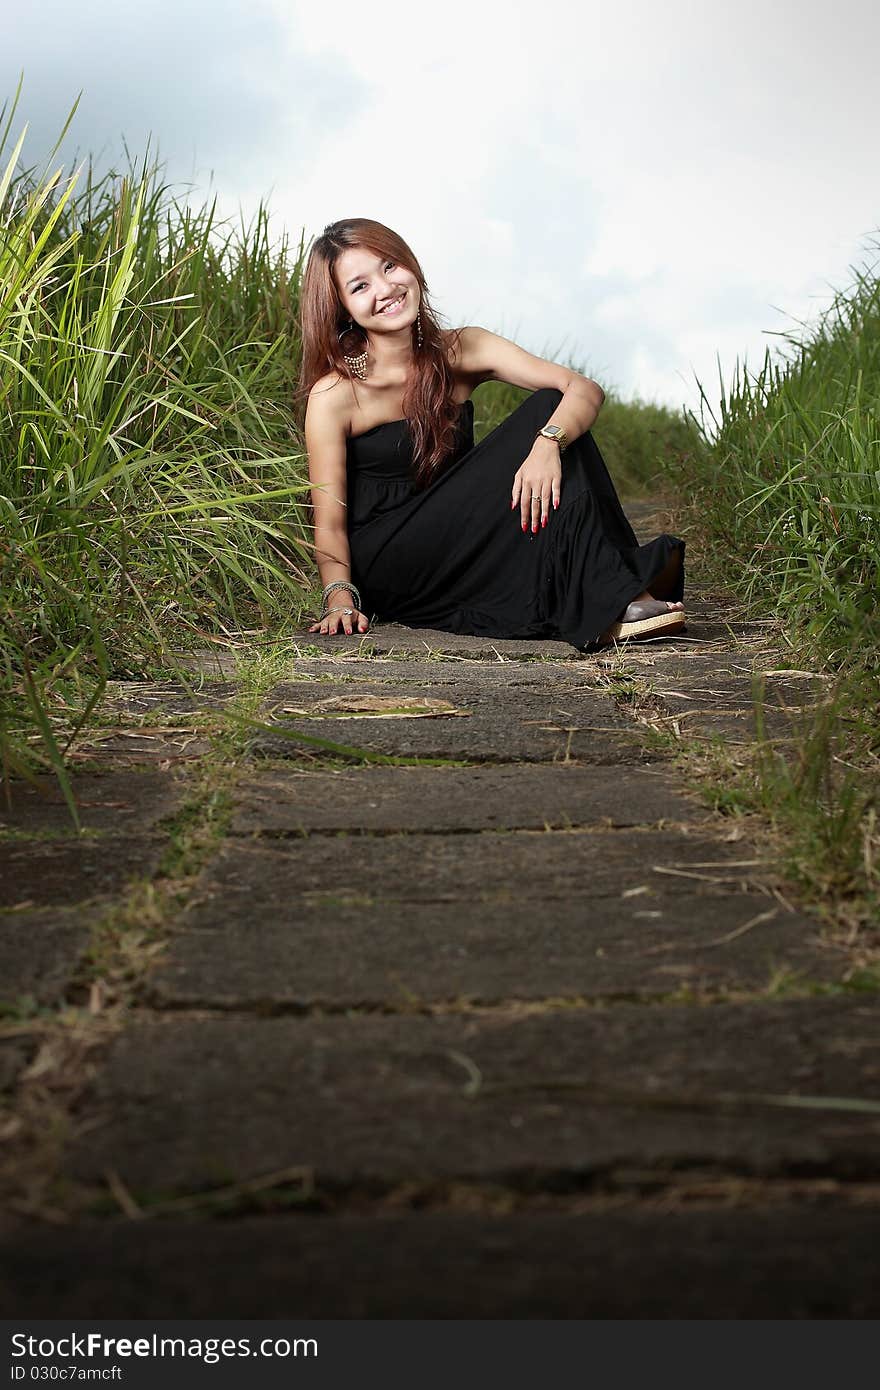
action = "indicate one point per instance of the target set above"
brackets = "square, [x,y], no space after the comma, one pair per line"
[395,306]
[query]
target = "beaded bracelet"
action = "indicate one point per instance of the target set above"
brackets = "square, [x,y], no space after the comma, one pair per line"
[339,584]
[335,584]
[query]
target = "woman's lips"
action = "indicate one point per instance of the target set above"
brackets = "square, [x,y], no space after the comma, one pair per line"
[395,308]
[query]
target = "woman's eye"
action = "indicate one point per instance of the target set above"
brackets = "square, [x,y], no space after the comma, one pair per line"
[361,285]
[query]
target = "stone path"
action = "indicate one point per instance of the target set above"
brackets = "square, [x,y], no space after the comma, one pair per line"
[522,1029]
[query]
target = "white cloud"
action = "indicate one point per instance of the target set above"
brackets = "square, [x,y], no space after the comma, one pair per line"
[638,187]
[208,82]
[644,183]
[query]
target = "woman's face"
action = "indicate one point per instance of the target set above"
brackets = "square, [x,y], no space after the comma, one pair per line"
[380,295]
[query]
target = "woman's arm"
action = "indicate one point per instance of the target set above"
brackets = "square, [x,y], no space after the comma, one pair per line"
[325,442]
[537,484]
[492,358]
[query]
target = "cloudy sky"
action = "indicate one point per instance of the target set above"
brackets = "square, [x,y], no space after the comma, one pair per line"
[641,189]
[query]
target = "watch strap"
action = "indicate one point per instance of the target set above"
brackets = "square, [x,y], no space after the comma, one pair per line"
[556,433]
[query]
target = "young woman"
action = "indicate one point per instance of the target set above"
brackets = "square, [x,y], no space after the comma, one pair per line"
[521,535]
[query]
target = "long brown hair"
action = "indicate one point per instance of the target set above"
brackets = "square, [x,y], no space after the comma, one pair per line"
[428,405]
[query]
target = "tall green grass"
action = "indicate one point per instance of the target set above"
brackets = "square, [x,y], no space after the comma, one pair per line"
[784,494]
[151,478]
[790,484]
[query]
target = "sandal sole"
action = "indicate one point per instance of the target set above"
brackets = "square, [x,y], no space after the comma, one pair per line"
[663,624]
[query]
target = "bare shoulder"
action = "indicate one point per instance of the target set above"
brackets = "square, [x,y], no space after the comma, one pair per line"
[330,391]
[462,354]
[469,347]
[329,407]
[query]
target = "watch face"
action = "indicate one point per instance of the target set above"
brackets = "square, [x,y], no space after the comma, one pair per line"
[552,430]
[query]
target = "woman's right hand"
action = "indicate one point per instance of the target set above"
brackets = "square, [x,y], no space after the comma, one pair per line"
[341,621]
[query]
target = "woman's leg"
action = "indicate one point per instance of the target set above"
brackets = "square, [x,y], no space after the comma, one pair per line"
[650,614]
[666,581]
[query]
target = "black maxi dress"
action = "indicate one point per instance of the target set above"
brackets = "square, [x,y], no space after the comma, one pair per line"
[453,556]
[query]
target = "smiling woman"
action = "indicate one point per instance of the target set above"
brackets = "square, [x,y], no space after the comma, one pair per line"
[522,535]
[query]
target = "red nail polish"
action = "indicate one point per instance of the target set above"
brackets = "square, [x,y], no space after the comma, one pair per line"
[543,521]
[556,504]
[535,529]
[525,527]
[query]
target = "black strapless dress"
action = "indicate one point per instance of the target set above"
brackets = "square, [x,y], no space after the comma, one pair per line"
[454,557]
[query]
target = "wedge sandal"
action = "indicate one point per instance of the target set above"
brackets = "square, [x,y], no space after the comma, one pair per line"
[646,619]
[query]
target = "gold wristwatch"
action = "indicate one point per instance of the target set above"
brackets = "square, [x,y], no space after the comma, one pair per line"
[554,432]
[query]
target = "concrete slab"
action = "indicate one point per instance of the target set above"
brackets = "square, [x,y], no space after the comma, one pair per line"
[550,675]
[734,727]
[532,1101]
[134,699]
[726,687]
[492,725]
[234,953]
[120,802]
[43,873]
[39,952]
[541,867]
[391,638]
[216,663]
[535,796]
[728,702]
[723,608]
[790,1262]
[710,694]
[711,632]
[700,667]
[162,748]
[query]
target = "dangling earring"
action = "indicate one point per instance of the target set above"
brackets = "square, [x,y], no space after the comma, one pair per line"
[356,365]
[419,329]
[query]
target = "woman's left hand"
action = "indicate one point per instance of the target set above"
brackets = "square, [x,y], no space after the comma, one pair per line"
[537,485]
